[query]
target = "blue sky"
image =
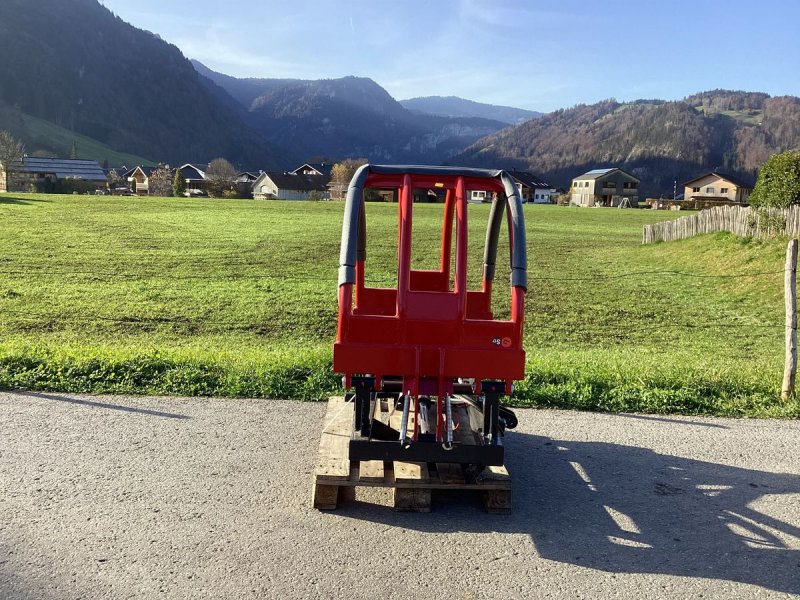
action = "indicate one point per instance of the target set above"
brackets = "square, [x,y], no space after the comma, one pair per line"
[536,55]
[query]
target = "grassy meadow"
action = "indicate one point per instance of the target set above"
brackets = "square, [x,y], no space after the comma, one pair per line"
[238,298]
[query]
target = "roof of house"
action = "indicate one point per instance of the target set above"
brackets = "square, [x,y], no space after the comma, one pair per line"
[323,168]
[63,168]
[120,169]
[737,181]
[529,179]
[247,176]
[297,181]
[146,170]
[198,170]
[597,173]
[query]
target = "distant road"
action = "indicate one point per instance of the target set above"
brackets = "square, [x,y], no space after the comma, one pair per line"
[120,497]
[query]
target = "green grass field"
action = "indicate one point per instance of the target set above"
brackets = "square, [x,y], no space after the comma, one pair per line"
[238,298]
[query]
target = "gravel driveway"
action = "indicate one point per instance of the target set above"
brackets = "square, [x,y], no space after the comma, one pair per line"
[120,497]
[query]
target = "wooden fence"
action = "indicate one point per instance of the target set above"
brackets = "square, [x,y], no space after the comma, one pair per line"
[739,220]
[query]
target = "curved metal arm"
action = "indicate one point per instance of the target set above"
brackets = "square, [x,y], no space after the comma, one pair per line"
[519,259]
[353,248]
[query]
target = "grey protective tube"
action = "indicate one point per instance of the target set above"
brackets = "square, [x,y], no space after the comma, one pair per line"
[404,419]
[361,245]
[519,259]
[492,235]
[519,255]
[449,413]
[351,225]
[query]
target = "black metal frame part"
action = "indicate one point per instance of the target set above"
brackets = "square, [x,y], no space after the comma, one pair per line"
[365,393]
[372,439]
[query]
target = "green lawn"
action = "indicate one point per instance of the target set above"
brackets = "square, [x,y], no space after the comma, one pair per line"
[238,298]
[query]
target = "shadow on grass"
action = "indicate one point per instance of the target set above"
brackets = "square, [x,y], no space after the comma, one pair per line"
[93,403]
[627,509]
[10,199]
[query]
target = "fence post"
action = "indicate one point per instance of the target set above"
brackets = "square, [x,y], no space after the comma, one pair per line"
[790,296]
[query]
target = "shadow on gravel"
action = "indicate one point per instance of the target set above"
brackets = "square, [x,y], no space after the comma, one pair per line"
[626,509]
[96,404]
[673,421]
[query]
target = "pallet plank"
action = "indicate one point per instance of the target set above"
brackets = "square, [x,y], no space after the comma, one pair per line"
[412,499]
[495,474]
[497,502]
[408,472]
[371,471]
[325,497]
[332,463]
[335,477]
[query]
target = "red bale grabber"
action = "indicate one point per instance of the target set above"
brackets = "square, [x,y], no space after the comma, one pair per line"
[427,361]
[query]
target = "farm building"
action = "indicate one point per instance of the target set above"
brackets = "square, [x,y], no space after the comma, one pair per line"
[714,189]
[605,187]
[44,173]
[290,186]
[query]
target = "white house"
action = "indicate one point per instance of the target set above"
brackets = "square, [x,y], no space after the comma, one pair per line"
[290,186]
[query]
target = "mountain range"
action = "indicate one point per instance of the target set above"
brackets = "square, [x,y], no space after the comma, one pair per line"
[74,74]
[660,142]
[453,106]
[350,117]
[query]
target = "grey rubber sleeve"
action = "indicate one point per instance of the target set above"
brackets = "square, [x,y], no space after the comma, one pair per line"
[354,226]
[492,235]
[519,259]
[519,253]
[351,227]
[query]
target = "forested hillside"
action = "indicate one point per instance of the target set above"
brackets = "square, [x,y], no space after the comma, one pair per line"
[660,142]
[74,64]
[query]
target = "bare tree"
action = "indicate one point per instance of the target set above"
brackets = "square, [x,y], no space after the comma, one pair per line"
[114,179]
[160,181]
[11,155]
[341,174]
[220,178]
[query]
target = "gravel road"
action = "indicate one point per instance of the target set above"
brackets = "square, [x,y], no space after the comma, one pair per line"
[120,497]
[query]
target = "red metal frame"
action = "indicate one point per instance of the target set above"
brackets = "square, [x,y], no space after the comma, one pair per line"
[423,331]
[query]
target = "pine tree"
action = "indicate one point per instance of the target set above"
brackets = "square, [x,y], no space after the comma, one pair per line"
[178,184]
[73,152]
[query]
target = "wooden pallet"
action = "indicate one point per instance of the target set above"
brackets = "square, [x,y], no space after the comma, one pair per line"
[335,477]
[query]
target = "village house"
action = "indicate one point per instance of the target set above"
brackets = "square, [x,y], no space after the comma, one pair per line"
[41,174]
[139,179]
[531,189]
[195,177]
[605,187]
[244,183]
[290,186]
[714,189]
